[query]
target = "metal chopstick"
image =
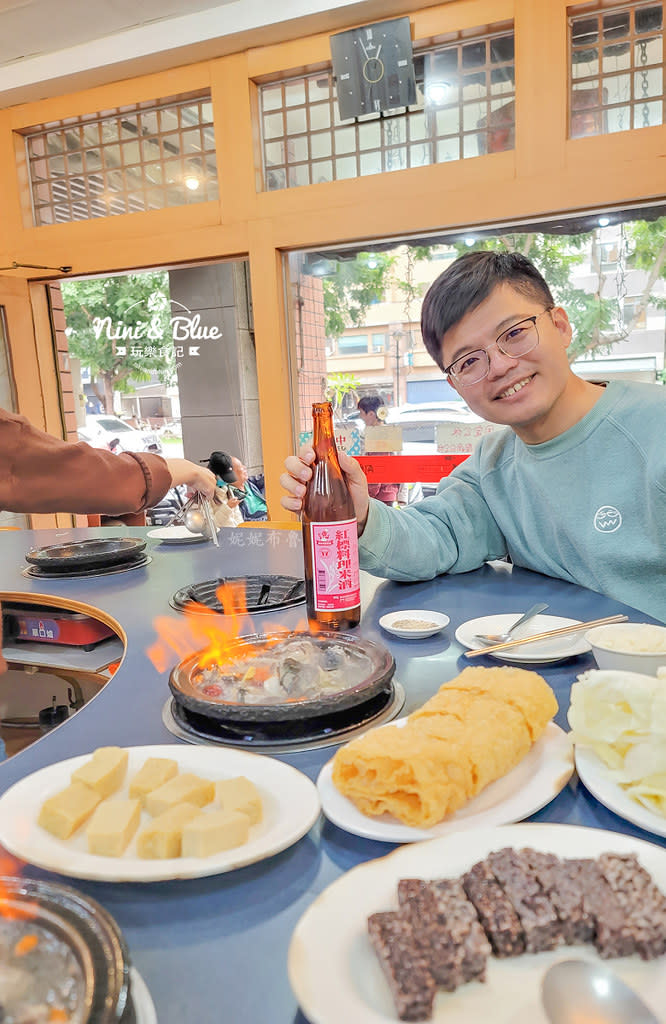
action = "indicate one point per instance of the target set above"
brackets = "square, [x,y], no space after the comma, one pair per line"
[546,636]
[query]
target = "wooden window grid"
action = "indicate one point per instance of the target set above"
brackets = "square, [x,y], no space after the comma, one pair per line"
[616,68]
[146,156]
[465,107]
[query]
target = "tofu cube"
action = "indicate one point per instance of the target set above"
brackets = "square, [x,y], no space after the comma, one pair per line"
[214,831]
[182,789]
[105,772]
[112,826]
[154,772]
[239,794]
[161,839]
[67,810]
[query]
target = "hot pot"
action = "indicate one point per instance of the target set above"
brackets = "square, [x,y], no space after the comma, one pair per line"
[353,670]
[76,934]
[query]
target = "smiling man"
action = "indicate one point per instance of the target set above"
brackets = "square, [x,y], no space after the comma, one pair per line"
[574,488]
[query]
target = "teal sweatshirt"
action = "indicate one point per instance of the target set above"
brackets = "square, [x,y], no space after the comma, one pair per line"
[588,506]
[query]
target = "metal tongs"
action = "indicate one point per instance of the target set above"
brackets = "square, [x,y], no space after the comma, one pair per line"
[197,517]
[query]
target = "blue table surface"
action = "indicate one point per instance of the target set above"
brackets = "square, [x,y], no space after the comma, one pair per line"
[215,949]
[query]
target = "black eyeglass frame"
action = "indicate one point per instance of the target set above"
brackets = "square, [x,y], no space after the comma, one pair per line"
[450,372]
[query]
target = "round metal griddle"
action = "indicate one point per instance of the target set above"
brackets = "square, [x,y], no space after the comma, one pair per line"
[255,593]
[80,554]
[186,676]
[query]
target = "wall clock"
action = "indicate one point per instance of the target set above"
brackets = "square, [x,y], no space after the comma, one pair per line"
[373,68]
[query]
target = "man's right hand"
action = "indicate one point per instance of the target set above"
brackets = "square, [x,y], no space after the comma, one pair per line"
[299,472]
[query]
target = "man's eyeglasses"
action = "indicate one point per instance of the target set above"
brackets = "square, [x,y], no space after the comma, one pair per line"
[517,340]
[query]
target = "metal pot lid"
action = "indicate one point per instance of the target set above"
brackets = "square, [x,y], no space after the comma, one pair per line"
[283,676]
[90,933]
[80,553]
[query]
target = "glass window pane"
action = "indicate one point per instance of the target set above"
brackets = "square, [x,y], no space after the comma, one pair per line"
[474,86]
[616,57]
[322,170]
[299,176]
[395,131]
[148,122]
[417,125]
[474,55]
[585,63]
[345,167]
[649,19]
[271,97]
[191,141]
[276,179]
[502,80]
[648,114]
[345,140]
[371,163]
[648,51]
[648,83]
[274,152]
[396,159]
[296,121]
[294,93]
[618,119]
[273,126]
[320,116]
[447,121]
[501,49]
[617,89]
[419,156]
[320,145]
[584,31]
[55,143]
[298,149]
[448,149]
[369,135]
[616,24]
[474,116]
[319,88]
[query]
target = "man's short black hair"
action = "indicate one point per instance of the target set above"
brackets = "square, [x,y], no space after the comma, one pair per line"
[466,283]
[369,403]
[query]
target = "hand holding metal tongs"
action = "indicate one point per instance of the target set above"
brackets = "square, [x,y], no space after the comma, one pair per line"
[563,631]
[197,516]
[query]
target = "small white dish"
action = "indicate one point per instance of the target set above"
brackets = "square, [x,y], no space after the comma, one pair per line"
[556,649]
[423,623]
[176,535]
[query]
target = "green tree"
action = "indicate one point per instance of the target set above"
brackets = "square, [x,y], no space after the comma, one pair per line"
[130,312]
[351,290]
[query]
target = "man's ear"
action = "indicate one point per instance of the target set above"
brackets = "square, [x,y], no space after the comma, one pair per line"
[561,322]
[456,387]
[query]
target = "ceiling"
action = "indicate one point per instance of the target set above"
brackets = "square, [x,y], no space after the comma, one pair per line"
[49,47]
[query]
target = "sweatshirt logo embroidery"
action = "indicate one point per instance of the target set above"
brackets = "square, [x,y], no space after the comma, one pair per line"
[607,519]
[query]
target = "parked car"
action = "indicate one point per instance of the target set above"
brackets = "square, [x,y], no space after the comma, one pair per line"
[107,431]
[418,421]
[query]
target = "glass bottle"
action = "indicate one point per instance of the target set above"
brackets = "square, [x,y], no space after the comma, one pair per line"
[330,535]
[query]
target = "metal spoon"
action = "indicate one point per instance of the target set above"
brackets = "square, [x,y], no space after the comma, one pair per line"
[579,990]
[500,638]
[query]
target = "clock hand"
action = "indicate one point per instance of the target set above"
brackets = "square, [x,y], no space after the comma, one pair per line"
[365,52]
[379,50]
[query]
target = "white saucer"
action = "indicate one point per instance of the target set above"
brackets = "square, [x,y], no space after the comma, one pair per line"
[556,649]
[176,535]
[432,622]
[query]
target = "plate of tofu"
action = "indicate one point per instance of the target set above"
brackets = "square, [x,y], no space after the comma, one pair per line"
[154,813]
[462,928]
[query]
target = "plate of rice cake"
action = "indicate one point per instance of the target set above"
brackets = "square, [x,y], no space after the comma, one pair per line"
[482,751]
[154,813]
[463,928]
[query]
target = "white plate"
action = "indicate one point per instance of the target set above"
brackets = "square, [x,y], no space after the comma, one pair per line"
[176,535]
[594,775]
[336,976]
[557,649]
[290,806]
[439,621]
[144,1007]
[533,783]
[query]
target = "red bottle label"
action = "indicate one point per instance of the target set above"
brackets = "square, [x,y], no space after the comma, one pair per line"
[335,565]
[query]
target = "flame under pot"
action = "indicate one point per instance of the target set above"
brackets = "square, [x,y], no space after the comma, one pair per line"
[283,677]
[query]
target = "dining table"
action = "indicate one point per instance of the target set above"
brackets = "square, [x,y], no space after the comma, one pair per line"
[214,949]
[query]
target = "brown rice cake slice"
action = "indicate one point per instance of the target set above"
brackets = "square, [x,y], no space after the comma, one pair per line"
[642,901]
[538,917]
[560,880]
[405,967]
[496,914]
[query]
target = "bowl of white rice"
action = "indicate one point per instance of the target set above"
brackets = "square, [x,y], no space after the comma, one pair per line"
[629,646]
